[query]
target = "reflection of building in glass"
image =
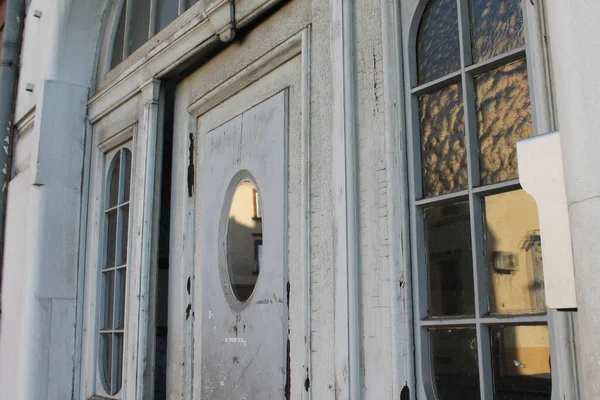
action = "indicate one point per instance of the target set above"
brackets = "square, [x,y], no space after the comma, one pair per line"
[515,269]
[244,240]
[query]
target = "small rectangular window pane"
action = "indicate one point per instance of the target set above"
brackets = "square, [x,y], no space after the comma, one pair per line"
[121,283]
[449,261]
[454,363]
[167,11]
[503,118]
[516,280]
[118,346]
[123,234]
[108,290]
[438,46]
[126,177]
[521,362]
[496,27]
[443,148]
[106,360]
[111,238]
[113,186]
[117,51]
[140,24]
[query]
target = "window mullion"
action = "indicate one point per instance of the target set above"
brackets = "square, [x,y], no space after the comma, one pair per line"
[153,16]
[486,377]
[182,6]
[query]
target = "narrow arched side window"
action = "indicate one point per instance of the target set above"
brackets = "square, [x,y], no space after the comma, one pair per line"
[114,273]
[138,20]
[480,314]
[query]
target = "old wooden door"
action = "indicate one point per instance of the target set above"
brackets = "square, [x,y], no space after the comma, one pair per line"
[243,269]
[238,312]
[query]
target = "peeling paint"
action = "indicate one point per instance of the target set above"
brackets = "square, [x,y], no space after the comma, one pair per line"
[190,171]
[405,394]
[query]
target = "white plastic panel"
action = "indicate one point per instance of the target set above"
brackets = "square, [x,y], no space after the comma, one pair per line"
[541,175]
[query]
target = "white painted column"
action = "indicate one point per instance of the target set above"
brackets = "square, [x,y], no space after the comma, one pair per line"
[144,238]
[574,37]
[348,333]
[37,345]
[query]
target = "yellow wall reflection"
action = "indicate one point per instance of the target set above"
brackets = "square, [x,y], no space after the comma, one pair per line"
[244,240]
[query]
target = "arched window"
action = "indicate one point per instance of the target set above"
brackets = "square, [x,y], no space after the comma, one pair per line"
[481,329]
[138,20]
[114,273]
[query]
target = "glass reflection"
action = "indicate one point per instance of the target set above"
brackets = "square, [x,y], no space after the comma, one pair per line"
[443,149]
[503,118]
[117,51]
[167,12]
[140,24]
[521,362]
[454,363]
[514,252]
[244,240]
[113,189]
[111,238]
[438,49]
[107,351]
[449,262]
[496,27]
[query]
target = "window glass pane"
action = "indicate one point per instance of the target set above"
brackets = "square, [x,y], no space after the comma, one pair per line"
[126,175]
[443,149]
[496,27]
[121,283]
[244,229]
[113,181]
[106,360]
[111,238]
[140,24]
[117,52]
[108,293]
[167,11]
[123,234]
[118,366]
[438,49]
[454,363]
[514,254]
[449,262]
[521,362]
[191,3]
[503,118]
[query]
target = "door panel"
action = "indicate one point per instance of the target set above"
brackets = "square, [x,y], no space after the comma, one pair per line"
[244,346]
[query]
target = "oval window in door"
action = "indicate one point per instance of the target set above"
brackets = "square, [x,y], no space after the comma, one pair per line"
[244,240]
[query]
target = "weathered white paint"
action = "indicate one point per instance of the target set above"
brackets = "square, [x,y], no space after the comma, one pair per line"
[269,78]
[340,109]
[41,315]
[402,347]
[541,175]
[253,362]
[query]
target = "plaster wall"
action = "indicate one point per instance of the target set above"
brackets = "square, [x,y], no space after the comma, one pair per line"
[573,33]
